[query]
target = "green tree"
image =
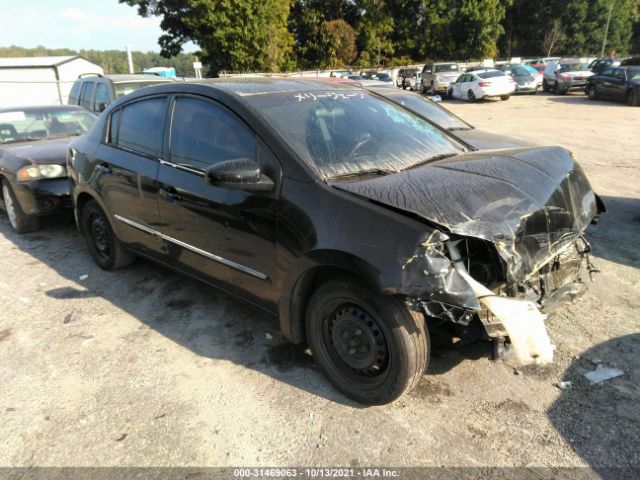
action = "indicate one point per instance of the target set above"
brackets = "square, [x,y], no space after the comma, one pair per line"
[374,29]
[477,26]
[236,35]
[339,39]
[307,20]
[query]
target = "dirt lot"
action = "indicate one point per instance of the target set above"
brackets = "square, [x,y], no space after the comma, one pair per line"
[145,367]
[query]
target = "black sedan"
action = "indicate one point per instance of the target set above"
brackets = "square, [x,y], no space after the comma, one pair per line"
[33,152]
[616,83]
[356,222]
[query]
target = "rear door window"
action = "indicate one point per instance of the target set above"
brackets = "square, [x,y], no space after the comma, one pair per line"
[204,133]
[141,126]
[87,95]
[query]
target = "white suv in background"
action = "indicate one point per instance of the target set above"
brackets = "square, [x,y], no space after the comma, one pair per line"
[436,77]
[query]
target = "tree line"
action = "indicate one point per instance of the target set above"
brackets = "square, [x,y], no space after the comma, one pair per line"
[277,35]
[112,61]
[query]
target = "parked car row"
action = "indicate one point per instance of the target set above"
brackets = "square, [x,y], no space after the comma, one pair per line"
[362,217]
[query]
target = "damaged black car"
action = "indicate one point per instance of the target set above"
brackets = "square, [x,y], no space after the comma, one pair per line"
[355,221]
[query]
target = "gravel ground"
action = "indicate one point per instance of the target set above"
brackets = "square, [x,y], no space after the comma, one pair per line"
[144,367]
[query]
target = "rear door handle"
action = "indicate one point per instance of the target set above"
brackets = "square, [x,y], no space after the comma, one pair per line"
[170,194]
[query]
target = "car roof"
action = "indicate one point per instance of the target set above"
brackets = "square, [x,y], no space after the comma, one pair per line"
[485,70]
[40,108]
[132,77]
[246,86]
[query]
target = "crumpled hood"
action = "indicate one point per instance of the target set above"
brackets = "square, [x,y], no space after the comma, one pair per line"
[530,202]
[41,151]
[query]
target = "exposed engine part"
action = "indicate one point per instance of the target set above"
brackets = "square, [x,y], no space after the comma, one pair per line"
[521,319]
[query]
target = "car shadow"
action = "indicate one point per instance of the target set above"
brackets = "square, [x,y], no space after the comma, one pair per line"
[615,238]
[206,321]
[579,98]
[600,422]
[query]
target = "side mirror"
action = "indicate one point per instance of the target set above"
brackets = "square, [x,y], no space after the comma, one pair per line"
[240,174]
[102,106]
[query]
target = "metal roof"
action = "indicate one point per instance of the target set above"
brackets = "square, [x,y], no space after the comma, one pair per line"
[27,62]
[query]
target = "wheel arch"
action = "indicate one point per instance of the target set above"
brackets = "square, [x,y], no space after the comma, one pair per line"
[292,309]
[81,199]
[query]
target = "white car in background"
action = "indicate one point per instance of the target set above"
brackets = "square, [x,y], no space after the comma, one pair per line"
[481,84]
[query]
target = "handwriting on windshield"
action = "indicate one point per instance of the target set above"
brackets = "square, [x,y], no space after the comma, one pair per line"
[327,96]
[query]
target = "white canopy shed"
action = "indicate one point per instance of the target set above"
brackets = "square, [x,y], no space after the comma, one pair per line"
[40,80]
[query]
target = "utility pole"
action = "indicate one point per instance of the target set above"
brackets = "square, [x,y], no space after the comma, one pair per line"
[130,58]
[606,29]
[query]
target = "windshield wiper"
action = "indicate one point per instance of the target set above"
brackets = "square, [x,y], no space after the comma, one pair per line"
[431,159]
[370,171]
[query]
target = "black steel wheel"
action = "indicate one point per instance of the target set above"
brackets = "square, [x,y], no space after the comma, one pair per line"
[105,248]
[370,346]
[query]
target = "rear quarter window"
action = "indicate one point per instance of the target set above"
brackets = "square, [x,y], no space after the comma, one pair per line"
[86,95]
[74,94]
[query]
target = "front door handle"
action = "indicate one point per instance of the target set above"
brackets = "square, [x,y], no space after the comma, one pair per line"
[170,194]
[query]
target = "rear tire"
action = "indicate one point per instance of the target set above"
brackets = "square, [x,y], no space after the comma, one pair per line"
[592,93]
[545,87]
[633,100]
[471,96]
[505,97]
[20,221]
[371,347]
[557,90]
[105,248]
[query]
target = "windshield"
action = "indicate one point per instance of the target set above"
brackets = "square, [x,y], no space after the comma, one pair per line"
[492,74]
[430,110]
[27,125]
[346,132]
[126,88]
[451,67]
[573,67]
[520,71]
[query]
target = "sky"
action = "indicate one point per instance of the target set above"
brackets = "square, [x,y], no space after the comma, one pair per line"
[78,24]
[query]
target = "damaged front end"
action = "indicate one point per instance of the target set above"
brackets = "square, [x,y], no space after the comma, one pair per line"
[508,245]
[510,266]
[463,280]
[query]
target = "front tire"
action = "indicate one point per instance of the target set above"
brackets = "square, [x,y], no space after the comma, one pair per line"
[592,93]
[471,96]
[105,248]
[505,97]
[20,221]
[371,347]
[633,100]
